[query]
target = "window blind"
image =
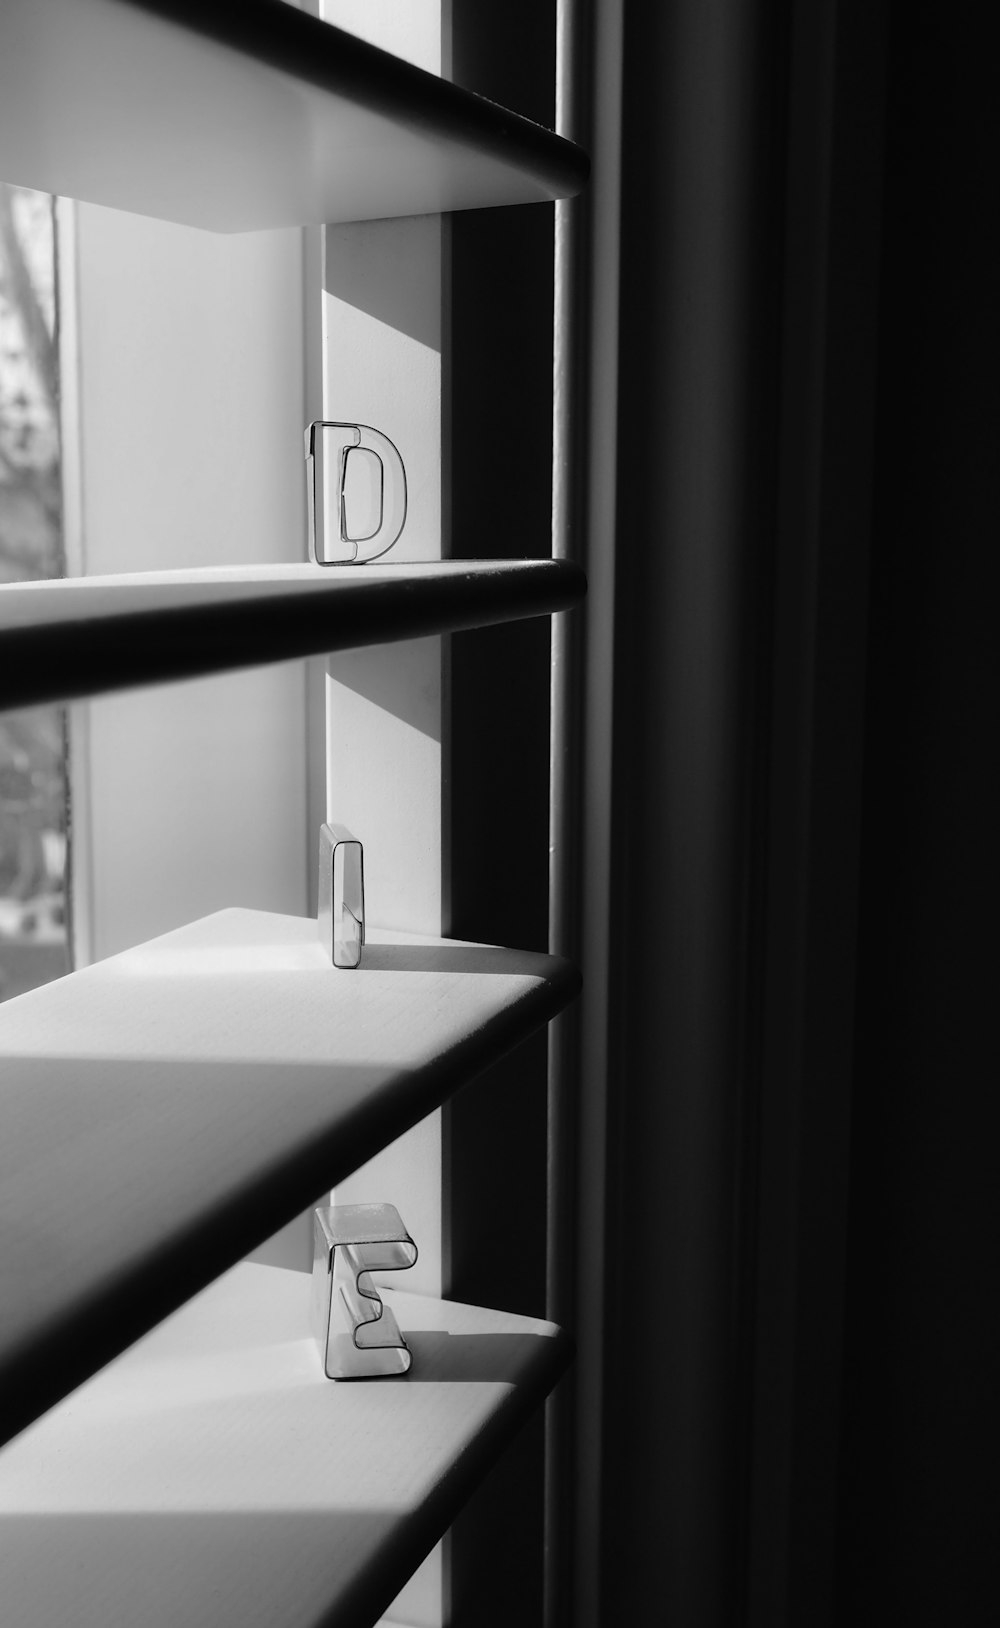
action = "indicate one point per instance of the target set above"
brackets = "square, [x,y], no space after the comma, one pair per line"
[226,1030]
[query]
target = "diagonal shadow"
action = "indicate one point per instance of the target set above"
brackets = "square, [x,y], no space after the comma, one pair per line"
[476,958]
[362,269]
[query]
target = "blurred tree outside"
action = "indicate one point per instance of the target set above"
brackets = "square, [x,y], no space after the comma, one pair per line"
[33,778]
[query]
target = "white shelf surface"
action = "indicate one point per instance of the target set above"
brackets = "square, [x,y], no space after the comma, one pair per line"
[211,1477]
[166,1110]
[240,117]
[76,636]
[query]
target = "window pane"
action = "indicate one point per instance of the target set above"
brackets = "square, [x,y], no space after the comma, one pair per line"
[34,942]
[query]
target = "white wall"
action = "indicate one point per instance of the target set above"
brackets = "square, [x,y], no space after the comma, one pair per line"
[190,797]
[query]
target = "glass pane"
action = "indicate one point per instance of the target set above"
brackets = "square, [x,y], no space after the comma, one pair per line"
[34,940]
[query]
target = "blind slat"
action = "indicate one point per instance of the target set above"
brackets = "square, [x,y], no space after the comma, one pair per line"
[213,1475]
[238,118]
[83,636]
[166,1110]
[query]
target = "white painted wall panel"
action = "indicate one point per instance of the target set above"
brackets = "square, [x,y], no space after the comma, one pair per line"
[190,385]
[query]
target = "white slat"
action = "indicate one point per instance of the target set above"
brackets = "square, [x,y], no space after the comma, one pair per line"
[166,1110]
[212,1478]
[236,118]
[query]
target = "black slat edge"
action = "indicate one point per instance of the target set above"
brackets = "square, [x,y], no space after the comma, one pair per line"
[68,660]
